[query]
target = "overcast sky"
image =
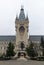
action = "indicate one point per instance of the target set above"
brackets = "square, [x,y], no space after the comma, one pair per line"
[10,8]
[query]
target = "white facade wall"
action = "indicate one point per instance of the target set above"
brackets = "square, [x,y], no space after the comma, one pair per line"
[4,45]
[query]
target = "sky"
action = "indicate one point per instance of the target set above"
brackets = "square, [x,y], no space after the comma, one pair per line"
[10,8]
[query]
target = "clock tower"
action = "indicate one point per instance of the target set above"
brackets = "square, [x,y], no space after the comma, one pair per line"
[21,24]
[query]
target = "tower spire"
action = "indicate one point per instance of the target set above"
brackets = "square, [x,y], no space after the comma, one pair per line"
[22,6]
[22,14]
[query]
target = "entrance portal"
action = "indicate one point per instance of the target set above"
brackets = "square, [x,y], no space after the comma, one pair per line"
[22,46]
[21,54]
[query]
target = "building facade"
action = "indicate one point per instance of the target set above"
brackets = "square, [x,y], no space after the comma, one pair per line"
[21,40]
[4,41]
[22,24]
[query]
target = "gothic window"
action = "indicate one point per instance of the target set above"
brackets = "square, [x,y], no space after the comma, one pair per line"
[1,47]
[4,48]
[22,45]
[21,29]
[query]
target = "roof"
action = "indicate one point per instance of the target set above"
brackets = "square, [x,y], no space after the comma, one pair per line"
[13,38]
[22,14]
[7,38]
[35,37]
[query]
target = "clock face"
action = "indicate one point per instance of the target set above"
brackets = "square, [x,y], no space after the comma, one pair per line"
[22,29]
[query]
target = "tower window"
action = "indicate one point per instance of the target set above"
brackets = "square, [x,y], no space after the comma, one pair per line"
[21,29]
[22,45]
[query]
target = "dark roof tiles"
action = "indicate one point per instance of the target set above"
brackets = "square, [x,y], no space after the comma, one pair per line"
[13,38]
[35,37]
[7,38]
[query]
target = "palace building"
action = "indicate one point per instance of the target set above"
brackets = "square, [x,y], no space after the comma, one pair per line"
[21,40]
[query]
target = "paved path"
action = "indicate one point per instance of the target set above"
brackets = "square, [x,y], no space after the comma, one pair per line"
[21,62]
[22,58]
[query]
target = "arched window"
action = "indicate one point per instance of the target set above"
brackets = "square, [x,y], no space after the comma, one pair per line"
[21,29]
[22,45]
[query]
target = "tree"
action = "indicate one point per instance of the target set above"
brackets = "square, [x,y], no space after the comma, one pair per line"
[42,44]
[30,50]
[10,50]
